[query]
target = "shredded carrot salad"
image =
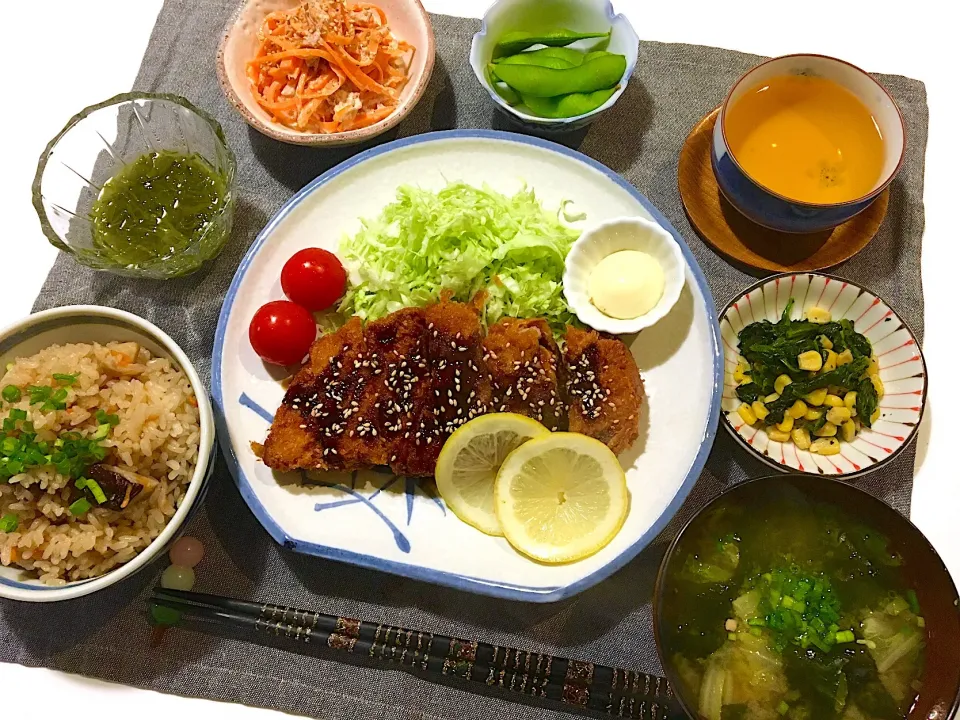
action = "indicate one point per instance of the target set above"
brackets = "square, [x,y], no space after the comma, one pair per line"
[328,66]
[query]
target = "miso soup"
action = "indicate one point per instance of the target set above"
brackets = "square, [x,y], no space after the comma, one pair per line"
[789,609]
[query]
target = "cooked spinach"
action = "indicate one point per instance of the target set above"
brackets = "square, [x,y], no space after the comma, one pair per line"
[867,401]
[772,349]
[844,376]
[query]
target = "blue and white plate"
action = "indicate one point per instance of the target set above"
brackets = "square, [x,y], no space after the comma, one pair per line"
[398,525]
[902,371]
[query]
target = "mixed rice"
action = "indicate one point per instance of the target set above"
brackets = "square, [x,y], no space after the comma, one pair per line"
[73,413]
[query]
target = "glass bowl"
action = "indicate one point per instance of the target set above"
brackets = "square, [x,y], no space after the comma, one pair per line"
[98,143]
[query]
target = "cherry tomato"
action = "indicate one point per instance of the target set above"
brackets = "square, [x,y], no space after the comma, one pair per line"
[313,278]
[281,332]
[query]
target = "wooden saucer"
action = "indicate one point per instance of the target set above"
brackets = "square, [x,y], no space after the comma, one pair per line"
[743,241]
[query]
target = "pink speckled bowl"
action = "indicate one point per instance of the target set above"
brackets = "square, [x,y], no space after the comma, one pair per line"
[408,21]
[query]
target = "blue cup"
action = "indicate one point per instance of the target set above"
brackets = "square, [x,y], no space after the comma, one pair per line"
[775,211]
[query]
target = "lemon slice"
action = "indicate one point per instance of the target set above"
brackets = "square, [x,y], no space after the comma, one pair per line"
[468,464]
[561,497]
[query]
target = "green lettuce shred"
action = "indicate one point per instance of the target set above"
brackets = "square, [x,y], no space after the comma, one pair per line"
[463,239]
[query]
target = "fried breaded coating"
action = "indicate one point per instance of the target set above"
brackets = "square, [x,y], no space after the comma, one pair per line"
[393,392]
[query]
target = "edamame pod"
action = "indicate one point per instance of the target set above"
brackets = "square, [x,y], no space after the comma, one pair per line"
[597,74]
[595,54]
[566,106]
[571,55]
[509,95]
[514,42]
[538,60]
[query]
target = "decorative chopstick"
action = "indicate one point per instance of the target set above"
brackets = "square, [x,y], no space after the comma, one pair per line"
[572,683]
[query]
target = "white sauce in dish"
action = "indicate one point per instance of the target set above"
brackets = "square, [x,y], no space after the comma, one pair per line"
[626,284]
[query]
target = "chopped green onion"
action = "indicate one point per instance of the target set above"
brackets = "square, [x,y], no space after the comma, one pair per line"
[12,394]
[845,636]
[921,622]
[756,631]
[80,507]
[103,417]
[81,483]
[39,393]
[65,379]
[783,708]
[9,523]
[731,636]
[96,490]
[17,414]
[102,431]
[9,446]
[914,602]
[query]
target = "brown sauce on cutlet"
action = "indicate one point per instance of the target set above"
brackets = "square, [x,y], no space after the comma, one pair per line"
[583,386]
[456,374]
[325,403]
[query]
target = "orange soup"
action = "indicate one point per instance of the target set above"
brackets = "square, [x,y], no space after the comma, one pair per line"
[806,138]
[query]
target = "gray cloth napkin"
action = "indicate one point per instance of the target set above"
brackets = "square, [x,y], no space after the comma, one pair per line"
[106,635]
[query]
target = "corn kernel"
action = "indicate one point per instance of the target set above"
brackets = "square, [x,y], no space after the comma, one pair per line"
[786,425]
[818,315]
[828,430]
[747,414]
[825,446]
[801,438]
[778,435]
[741,374]
[797,410]
[831,362]
[874,367]
[816,397]
[813,414]
[848,431]
[833,401]
[845,357]
[771,398]
[850,399]
[810,360]
[759,409]
[781,382]
[838,415]
[875,416]
[825,343]
[878,385]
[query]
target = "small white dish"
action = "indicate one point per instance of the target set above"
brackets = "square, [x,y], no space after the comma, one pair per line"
[902,371]
[93,323]
[505,16]
[606,238]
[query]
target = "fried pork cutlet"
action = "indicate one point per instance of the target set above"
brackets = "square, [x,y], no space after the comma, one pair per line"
[391,394]
[457,390]
[604,390]
[524,365]
[309,426]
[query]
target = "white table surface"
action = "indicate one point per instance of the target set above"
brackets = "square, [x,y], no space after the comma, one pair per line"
[91,50]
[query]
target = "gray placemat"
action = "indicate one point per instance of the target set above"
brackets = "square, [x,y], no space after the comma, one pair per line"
[106,635]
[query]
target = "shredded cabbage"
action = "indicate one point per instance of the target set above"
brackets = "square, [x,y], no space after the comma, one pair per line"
[463,239]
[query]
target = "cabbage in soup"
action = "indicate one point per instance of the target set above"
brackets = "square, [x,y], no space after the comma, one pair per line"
[792,610]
